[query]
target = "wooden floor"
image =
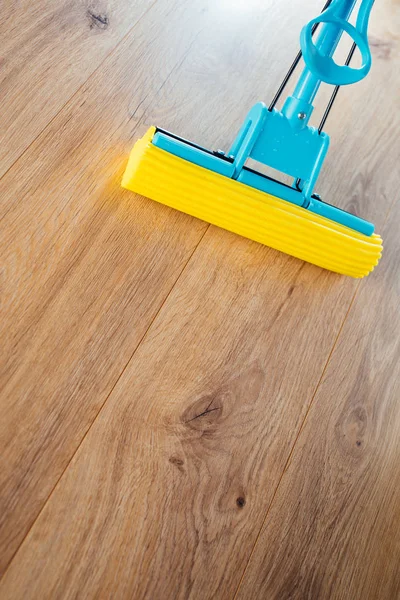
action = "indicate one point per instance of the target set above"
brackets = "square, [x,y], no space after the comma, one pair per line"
[185,413]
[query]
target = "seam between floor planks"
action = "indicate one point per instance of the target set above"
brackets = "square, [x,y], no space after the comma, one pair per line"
[77,91]
[127,365]
[67,37]
[104,404]
[153,320]
[303,444]
[302,426]
[135,353]
[174,220]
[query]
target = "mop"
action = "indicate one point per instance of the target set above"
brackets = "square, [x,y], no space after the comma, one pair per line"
[221,188]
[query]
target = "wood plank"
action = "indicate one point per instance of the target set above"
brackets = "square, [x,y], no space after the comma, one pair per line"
[87,265]
[48,50]
[334,528]
[86,268]
[167,493]
[255,323]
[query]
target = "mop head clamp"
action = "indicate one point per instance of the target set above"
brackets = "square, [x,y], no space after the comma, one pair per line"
[220,187]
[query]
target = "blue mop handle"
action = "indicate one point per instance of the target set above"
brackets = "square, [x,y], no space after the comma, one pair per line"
[318,57]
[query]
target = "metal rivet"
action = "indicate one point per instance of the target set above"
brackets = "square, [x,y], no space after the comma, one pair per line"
[302,115]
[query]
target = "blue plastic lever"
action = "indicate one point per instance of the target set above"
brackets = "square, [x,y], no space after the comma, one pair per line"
[320,63]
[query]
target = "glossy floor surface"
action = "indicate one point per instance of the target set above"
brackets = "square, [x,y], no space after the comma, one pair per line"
[186,413]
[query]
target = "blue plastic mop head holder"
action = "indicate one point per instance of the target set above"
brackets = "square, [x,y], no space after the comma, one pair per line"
[283,139]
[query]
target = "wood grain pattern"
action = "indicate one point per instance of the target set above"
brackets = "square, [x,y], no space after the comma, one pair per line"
[85,268]
[167,493]
[48,50]
[85,264]
[334,528]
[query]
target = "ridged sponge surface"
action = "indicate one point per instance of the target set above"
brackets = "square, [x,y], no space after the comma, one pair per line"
[224,202]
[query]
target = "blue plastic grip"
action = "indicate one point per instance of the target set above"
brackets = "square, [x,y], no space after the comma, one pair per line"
[322,65]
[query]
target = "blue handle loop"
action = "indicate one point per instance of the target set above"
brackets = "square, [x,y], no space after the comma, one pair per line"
[323,66]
